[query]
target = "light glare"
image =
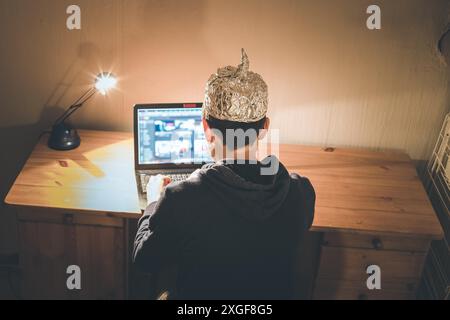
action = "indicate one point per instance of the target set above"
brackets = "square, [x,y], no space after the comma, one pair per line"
[104,82]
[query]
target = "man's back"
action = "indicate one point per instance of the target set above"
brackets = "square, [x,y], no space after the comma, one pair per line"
[232,232]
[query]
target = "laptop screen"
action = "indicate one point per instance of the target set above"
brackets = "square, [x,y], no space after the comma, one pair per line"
[172,135]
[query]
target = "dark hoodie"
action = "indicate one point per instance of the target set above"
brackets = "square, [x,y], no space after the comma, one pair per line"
[231,231]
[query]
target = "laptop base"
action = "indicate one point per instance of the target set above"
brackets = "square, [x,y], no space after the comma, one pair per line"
[143,176]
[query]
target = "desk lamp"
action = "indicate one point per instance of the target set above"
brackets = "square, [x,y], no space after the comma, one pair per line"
[63,137]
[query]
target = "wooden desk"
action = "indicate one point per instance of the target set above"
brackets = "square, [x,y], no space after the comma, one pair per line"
[73,209]
[372,210]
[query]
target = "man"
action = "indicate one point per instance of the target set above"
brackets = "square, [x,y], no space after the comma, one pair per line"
[233,227]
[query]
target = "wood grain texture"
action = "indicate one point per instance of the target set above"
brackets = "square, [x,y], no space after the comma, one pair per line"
[357,191]
[377,242]
[342,273]
[360,191]
[49,247]
[97,177]
[328,289]
[351,264]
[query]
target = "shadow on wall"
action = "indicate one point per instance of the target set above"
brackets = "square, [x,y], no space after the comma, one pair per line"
[17,143]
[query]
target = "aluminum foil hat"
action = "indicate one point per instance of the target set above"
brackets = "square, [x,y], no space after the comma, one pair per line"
[236,94]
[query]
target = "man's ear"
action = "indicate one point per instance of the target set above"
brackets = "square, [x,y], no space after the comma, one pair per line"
[263,131]
[208,133]
[267,123]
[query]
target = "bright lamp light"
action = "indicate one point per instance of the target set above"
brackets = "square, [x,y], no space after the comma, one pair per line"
[104,82]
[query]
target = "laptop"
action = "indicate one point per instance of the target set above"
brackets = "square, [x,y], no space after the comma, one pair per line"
[168,140]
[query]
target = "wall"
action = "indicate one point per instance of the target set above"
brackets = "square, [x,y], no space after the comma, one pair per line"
[331,80]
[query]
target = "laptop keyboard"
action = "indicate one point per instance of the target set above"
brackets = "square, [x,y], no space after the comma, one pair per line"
[175,177]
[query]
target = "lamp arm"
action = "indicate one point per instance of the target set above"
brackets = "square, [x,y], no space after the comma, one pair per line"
[83,97]
[76,105]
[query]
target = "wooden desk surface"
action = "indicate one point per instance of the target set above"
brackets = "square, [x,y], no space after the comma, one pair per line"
[357,191]
[97,177]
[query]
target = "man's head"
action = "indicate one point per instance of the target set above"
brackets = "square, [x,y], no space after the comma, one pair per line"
[236,102]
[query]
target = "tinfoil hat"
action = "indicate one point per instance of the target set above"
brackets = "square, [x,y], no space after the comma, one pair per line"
[236,94]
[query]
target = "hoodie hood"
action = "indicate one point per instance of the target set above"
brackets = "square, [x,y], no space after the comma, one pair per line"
[249,199]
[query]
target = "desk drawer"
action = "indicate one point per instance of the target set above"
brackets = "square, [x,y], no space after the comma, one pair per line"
[336,239]
[48,215]
[351,264]
[327,289]
[52,240]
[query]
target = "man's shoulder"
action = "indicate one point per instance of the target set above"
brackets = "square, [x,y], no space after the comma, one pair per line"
[307,196]
[187,188]
[303,182]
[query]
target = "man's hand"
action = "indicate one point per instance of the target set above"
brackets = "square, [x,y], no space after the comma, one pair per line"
[155,187]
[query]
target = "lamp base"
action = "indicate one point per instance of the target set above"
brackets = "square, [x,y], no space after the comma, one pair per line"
[63,138]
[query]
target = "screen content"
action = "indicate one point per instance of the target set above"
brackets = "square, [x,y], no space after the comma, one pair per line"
[171,136]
